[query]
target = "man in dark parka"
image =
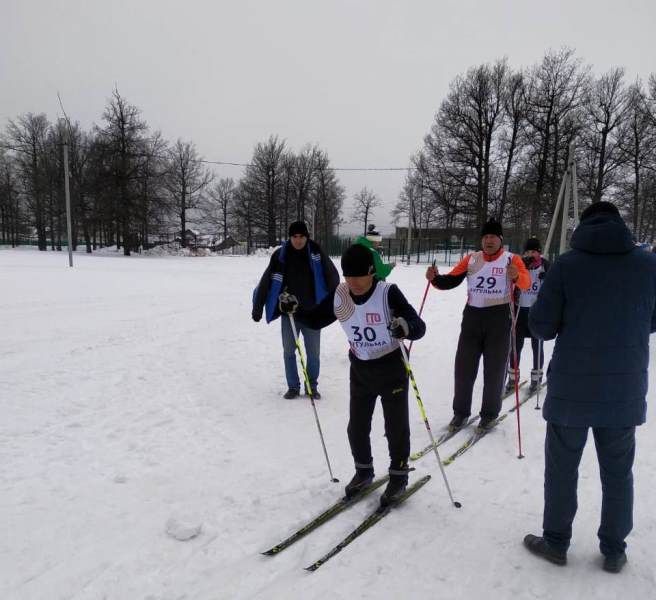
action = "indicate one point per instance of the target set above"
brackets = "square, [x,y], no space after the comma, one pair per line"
[599,302]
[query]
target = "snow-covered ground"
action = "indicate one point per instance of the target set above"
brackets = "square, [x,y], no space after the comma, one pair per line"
[138,400]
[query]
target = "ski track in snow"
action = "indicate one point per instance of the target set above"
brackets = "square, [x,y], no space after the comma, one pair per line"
[134,390]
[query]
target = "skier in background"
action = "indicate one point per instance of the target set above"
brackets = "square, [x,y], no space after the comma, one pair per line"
[537,267]
[373,240]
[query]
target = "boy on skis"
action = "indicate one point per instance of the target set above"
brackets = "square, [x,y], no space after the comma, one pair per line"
[376,317]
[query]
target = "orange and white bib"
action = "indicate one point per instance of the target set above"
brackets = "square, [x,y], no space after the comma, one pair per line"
[487,282]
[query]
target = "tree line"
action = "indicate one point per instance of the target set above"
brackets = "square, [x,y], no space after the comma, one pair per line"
[499,146]
[130,187]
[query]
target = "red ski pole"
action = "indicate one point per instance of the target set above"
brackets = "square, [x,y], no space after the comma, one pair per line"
[513,329]
[421,308]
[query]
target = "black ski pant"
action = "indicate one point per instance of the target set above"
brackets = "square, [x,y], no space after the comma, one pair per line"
[484,332]
[521,332]
[563,448]
[384,377]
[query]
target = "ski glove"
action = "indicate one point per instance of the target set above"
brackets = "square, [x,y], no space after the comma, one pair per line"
[287,303]
[541,275]
[398,328]
[256,316]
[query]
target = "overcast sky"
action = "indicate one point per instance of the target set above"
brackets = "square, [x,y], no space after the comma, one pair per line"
[363,79]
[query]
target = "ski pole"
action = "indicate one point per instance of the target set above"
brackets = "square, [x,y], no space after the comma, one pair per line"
[513,329]
[408,370]
[540,355]
[309,387]
[421,308]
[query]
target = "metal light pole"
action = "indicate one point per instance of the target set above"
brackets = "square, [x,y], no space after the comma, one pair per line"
[67,190]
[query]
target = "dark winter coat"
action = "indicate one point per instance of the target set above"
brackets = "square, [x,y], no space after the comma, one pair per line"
[599,302]
[309,274]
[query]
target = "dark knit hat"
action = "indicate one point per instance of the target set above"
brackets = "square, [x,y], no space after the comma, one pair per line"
[597,208]
[299,228]
[357,261]
[492,227]
[533,243]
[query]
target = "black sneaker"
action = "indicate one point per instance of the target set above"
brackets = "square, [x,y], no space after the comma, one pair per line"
[457,422]
[486,423]
[361,480]
[540,547]
[291,393]
[395,487]
[614,563]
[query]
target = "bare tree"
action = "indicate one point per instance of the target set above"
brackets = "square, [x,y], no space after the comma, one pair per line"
[606,102]
[218,204]
[186,179]
[555,89]
[328,197]
[637,142]
[10,207]
[27,138]
[122,138]
[514,103]
[363,204]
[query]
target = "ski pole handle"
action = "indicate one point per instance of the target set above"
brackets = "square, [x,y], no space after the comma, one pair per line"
[421,308]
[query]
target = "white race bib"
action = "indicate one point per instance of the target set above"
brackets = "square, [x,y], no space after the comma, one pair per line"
[528,297]
[366,324]
[487,282]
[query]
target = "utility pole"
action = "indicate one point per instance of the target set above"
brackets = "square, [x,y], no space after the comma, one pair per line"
[410,207]
[67,192]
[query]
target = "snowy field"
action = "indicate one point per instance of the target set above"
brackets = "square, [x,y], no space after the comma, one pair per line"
[137,392]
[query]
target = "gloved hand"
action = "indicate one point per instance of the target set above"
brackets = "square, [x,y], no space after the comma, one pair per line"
[542,275]
[431,272]
[256,316]
[398,328]
[513,272]
[287,303]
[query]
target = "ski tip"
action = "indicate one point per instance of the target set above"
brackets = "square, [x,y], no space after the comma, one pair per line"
[312,568]
[335,480]
[268,552]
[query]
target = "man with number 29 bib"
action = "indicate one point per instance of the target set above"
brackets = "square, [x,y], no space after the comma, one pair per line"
[485,330]
[376,317]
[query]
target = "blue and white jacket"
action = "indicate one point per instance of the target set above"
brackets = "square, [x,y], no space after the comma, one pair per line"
[272,283]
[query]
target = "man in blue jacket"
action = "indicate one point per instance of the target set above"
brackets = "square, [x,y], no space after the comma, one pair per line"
[301,268]
[599,302]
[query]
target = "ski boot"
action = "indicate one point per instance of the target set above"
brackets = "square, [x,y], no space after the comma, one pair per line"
[510,384]
[398,481]
[456,423]
[361,480]
[536,380]
[486,423]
